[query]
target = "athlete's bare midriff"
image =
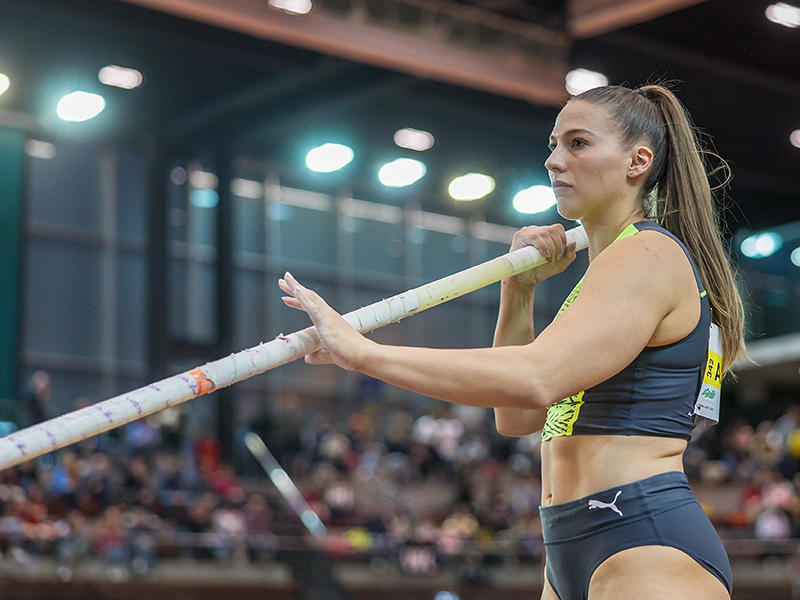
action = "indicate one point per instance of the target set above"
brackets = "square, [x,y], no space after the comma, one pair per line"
[581,465]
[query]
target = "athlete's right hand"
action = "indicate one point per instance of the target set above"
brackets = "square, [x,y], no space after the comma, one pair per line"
[551,242]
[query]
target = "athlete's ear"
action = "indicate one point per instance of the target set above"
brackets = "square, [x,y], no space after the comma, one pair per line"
[641,160]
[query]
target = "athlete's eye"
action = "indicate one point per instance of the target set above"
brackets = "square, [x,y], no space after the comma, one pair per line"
[578,143]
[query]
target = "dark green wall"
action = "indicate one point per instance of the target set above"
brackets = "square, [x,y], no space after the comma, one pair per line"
[11,165]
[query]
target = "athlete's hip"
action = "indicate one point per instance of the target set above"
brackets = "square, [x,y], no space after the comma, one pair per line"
[611,507]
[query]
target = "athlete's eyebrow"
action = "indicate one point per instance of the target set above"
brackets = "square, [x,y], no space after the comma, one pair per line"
[574,132]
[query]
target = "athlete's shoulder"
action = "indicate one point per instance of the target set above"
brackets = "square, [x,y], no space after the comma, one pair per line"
[650,249]
[648,263]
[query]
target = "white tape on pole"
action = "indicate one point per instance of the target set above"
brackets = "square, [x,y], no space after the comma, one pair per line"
[75,426]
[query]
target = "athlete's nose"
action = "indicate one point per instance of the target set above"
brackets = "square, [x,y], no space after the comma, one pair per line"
[555,162]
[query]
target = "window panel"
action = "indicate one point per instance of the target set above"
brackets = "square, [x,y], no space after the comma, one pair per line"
[131,308]
[66,189]
[62,298]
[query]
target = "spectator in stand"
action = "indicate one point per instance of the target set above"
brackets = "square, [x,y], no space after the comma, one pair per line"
[74,544]
[37,397]
[110,542]
[258,524]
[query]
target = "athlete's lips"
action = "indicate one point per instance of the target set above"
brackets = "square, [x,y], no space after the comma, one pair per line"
[560,185]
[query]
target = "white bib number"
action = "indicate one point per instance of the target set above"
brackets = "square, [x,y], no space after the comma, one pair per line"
[706,409]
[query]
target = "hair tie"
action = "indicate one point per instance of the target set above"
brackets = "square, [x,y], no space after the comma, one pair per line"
[643,94]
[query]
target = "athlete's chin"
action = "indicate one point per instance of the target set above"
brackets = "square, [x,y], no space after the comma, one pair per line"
[568,212]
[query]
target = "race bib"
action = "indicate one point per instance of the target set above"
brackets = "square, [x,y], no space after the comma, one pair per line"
[706,409]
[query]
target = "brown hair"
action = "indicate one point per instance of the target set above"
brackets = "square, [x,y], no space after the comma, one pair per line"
[677,194]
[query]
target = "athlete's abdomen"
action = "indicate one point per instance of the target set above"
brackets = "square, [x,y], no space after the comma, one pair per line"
[577,466]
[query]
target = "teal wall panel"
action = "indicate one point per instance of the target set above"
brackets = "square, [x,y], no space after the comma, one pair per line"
[11,210]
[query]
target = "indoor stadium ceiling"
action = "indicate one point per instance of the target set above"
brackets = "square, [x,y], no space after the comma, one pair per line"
[484,76]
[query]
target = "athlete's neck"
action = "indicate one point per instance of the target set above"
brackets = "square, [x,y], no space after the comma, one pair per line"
[602,233]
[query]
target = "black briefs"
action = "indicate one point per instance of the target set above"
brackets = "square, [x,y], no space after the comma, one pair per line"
[657,511]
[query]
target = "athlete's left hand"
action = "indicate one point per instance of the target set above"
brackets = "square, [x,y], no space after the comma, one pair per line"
[343,345]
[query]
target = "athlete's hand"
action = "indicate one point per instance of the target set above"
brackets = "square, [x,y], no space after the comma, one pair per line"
[551,242]
[343,345]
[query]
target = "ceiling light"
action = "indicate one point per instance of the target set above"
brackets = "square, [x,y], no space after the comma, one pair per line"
[247,188]
[795,257]
[783,14]
[329,157]
[204,198]
[795,138]
[413,139]
[761,245]
[39,149]
[401,172]
[471,186]
[5,82]
[80,106]
[298,7]
[580,80]
[120,77]
[203,180]
[534,199]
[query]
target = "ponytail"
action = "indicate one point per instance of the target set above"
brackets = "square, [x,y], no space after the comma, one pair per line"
[677,195]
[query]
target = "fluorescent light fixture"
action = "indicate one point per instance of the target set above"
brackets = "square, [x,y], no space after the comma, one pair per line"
[535,199]
[121,77]
[203,180]
[761,245]
[373,211]
[783,14]
[247,188]
[5,82]
[581,80]
[328,158]
[795,138]
[413,139]
[795,257]
[80,106]
[491,232]
[401,172]
[39,149]
[436,222]
[471,186]
[204,198]
[297,7]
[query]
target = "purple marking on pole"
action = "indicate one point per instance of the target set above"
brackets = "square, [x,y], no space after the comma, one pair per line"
[21,447]
[155,387]
[53,440]
[106,414]
[192,384]
[136,404]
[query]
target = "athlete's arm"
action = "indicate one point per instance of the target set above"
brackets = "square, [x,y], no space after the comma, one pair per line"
[628,290]
[515,317]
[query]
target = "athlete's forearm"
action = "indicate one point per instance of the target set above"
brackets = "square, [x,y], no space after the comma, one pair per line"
[515,328]
[515,317]
[492,377]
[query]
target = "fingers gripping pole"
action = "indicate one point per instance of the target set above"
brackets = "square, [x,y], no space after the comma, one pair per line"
[75,426]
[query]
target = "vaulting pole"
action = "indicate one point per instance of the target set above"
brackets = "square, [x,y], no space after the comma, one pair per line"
[78,425]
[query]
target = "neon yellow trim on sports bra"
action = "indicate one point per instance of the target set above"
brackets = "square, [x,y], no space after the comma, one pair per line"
[562,415]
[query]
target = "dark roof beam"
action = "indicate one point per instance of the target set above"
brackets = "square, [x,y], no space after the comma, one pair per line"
[589,18]
[448,42]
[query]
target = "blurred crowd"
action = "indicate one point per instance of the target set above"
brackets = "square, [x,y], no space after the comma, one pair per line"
[417,491]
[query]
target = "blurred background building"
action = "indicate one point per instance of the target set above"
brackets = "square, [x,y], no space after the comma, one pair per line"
[163,162]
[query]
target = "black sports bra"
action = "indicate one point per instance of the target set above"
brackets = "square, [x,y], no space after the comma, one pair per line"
[654,395]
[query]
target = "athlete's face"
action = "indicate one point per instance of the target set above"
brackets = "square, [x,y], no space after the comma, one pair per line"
[589,168]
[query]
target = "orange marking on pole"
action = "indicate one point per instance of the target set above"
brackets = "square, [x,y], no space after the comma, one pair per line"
[204,384]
